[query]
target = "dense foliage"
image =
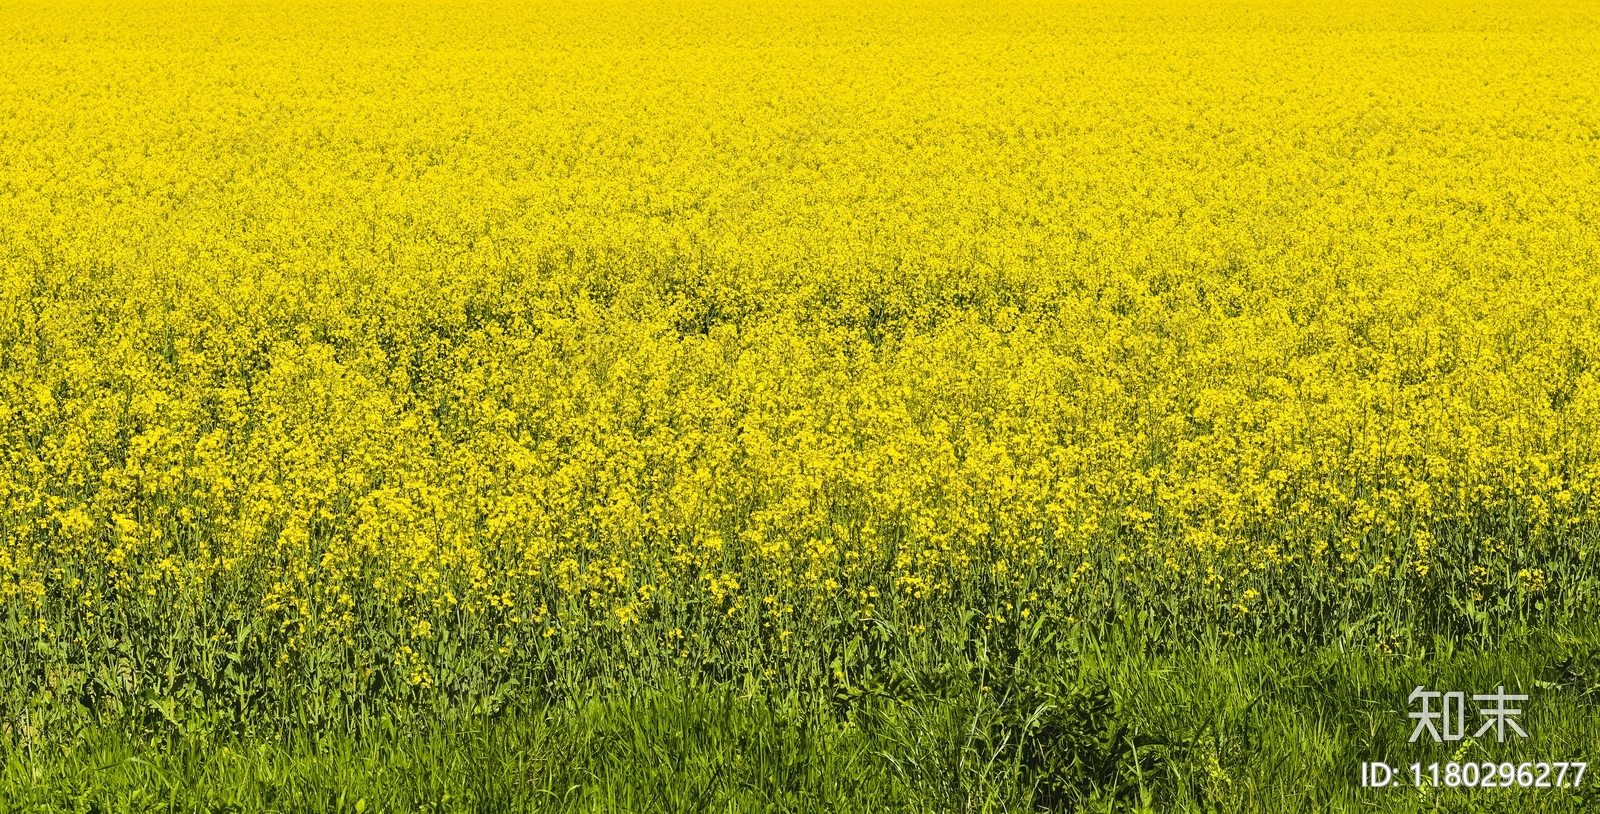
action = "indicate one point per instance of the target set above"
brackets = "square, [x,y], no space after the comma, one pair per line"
[370,354]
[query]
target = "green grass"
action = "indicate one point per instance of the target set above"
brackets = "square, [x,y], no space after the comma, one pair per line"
[1099,724]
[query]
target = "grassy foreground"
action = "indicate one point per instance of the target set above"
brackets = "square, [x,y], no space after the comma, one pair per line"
[1106,727]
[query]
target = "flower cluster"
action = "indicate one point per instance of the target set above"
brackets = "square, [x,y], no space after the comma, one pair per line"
[366,325]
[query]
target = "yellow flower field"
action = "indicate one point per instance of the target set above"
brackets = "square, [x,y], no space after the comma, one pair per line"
[429,337]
